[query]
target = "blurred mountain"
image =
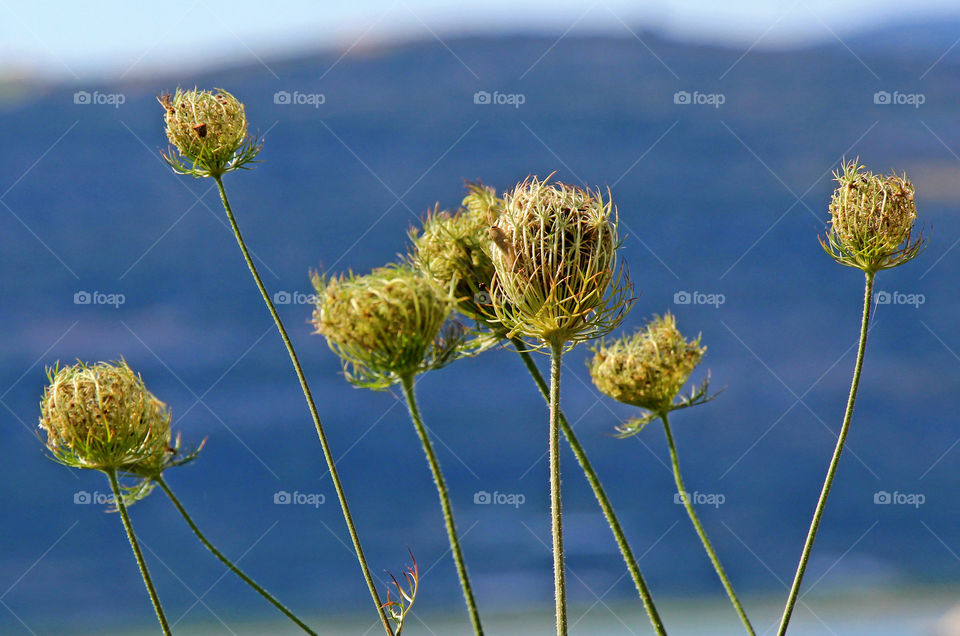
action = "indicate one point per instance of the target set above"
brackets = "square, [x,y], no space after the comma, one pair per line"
[719,161]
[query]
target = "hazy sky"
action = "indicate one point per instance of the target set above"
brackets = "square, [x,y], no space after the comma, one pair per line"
[81,40]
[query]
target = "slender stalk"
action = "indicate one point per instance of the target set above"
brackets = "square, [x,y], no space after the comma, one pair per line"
[152,591]
[598,492]
[443,493]
[327,453]
[556,512]
[223,559]
[832,470]
[692,513]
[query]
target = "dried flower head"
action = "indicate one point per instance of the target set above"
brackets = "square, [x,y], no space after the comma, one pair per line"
[649,368]
[554,251]
[209,131]
[871,220]
[452,250]
[102,417]
[387,325]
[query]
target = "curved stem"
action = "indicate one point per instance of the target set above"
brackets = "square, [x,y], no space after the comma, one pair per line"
[327,453]
[684,496]
[122,507]
[407,383]
[556,512]
[598,492]
[233,568]
[832,470]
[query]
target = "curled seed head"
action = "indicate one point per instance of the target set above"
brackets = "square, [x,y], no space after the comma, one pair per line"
[102,417]
[452,251]
[554,252]
[208,130]
[649,368]
[871,219]
[386,325]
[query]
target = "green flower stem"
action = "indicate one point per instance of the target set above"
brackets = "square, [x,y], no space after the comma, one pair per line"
[556,512]
[327,453]
[122,507]
[598,492]
[233,568]
[832,470]
[699,528]
[407,383]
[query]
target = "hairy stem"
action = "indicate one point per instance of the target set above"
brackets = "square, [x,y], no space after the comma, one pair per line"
[598,492]
[692,513]
[327,453]
[223,559]
[556,512]
[152,591]
[832,470]
[443,493]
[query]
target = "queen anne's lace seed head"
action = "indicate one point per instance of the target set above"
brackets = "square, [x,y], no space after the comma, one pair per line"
[554,252]
[452,250]
[209,131]
[649,368]
[871,220]
[102,417]
[386,325]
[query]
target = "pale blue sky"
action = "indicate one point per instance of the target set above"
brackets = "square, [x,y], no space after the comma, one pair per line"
[82,40]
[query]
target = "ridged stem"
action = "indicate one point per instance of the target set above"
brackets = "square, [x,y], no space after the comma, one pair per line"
[556,512]
[327,453]
[598,492]
[227,562]
[834,462]
[692,513]
[443,493]
[132,538]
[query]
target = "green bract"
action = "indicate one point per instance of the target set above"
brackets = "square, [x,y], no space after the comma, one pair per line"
[871,220]
[209,131]
[386,325]
[102,417]
[554,251]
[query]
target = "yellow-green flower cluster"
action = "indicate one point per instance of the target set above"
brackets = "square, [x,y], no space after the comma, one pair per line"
[649,368]
[102,417]
[209,129]
[871,219]
[386,325]
[452,250]
[554,251]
